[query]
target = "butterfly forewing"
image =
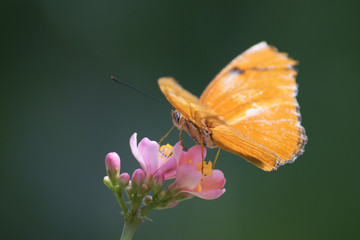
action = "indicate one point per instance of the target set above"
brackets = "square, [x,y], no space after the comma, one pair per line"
[251,91]
[188,104]
[242,73]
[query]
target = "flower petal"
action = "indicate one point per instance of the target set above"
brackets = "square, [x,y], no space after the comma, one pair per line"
[208,195]
[187,177]
[177,151]
[135,151]
[195,154]
[168,168]
[150,153]
[216,180]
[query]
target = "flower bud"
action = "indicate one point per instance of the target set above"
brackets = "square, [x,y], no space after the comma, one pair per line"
[172,190]
[167,205]
[123,180]
[183,196]
[129,191]
[157,182]
[147,200]
[137,179]
[172,204]
[144,189]
[107,182]
[162,195]
[112,164]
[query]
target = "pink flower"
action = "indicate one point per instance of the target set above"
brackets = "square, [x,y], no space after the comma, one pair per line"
[195,176]
[153,158]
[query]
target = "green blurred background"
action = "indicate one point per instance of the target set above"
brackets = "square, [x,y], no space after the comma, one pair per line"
[61,114]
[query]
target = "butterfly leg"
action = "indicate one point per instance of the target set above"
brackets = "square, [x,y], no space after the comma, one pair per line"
[216,157]
[202,152]
[181,141]
[166,134]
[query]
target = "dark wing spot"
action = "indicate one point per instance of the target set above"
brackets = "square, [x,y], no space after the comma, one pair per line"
[237,70]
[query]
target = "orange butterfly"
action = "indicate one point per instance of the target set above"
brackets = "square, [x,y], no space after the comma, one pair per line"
[249,109]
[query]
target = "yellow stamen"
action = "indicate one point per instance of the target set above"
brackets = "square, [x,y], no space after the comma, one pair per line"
[206,168]
[165,151]
[199,188]
[190,161]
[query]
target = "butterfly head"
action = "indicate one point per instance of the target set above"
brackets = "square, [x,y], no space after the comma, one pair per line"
[176,118]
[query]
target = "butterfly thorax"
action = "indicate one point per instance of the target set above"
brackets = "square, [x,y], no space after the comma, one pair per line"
[194,131]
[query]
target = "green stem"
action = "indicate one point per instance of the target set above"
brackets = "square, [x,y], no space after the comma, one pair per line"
[147,209]
[118,195]
[130,225]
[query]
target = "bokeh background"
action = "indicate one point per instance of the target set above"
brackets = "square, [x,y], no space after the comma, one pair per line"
[61,114]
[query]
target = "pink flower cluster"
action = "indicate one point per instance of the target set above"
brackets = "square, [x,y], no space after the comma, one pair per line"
[193,177]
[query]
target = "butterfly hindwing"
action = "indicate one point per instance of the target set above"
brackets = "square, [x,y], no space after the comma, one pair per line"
[233,141]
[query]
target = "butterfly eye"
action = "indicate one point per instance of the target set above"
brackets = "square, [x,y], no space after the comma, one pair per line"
[176,117]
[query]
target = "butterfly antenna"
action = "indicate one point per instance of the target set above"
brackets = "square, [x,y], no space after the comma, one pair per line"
[140,91]
[166,134]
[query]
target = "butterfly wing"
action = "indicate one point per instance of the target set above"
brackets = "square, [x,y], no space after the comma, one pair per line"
[256,94]
[231,140]
[188,104]
[222,134]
